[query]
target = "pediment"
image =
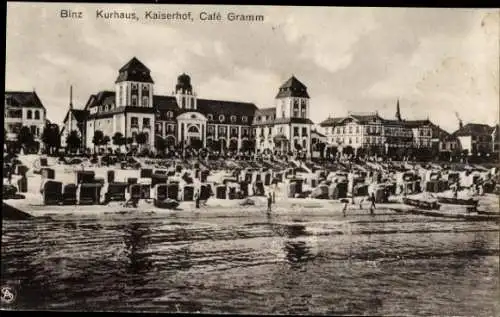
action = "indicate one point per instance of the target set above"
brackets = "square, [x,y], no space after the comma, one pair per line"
[192,116]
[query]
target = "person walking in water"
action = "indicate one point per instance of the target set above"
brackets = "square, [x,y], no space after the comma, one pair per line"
[372,206]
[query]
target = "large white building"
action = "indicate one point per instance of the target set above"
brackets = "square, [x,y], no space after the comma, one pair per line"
[183,118]
[23,109]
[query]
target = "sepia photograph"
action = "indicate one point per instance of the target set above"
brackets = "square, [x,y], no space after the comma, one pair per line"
[232,159]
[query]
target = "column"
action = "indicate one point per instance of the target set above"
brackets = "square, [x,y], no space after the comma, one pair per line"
[204,134]
[239,138]
[227,137]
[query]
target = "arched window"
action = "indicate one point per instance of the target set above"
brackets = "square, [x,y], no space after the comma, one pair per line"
[221,118]
[233,119]
[29,115]
[134,135]
[210,117]
[170,114]
[304,144]
[193,129]
[134,100]
[350,129]
[145,101]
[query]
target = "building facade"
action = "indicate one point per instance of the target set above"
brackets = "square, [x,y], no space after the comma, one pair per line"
[371,133]
[23,109]
[184,119]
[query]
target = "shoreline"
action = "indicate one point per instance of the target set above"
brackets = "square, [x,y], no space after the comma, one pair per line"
[223,208]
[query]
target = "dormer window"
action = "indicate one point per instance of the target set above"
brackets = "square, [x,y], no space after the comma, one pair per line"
[134,86]
[258,118]
[233,119]
[221,118]
[210,117]
[170,114]
[244,119]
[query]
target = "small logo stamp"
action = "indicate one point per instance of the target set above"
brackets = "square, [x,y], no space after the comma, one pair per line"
[7,295]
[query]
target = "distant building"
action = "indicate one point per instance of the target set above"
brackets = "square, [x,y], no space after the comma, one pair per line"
[74,120]
[23,108]
[375,134]
[317,137]
[476,138]
[184,119]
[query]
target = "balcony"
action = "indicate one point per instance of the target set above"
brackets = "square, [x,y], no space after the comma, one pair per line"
[146,126]
[134,125]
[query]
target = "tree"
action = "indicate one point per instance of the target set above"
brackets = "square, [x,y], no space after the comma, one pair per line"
[73,141]
[320,147]
[25,138]
[118,139]
[51,137]
[160,144]
[98,138]
[141,138]
[105,140]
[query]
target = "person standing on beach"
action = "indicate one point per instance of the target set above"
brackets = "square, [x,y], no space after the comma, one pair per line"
[269,202]
[372,206]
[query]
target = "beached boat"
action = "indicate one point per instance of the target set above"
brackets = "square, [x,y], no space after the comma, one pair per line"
[458,201]
[422,204]
[166,203]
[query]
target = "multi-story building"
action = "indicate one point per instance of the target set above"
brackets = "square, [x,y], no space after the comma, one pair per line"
[285,127]
[23,109]
[183,118]
[475,138]
[372,133]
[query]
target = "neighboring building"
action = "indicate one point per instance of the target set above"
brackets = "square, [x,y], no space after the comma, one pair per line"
[184,118]
[372,132]
[317,137]
[495,138]
[23,109]
[75,120]
[475,138]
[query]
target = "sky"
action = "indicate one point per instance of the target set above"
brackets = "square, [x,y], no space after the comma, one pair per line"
[439,62]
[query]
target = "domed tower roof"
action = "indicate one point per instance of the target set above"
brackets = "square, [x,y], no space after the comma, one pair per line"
[183,83]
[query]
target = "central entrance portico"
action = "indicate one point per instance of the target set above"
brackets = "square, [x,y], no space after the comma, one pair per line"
[192,126]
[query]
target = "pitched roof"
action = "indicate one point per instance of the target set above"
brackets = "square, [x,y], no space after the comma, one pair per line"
[104,97]
[293,88]
[134,70]
[80,114]
[23,99]
[228,109]
[318,133]
[365,118]
[330,122]
[473,129]
[416,123]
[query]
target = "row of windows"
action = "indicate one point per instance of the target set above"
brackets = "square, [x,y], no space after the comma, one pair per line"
[372,140]
[232,118]
[134,122]
[29,114]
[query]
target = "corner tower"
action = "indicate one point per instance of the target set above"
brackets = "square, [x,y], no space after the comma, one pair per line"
[186,98]
[134,85]
[292,100]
